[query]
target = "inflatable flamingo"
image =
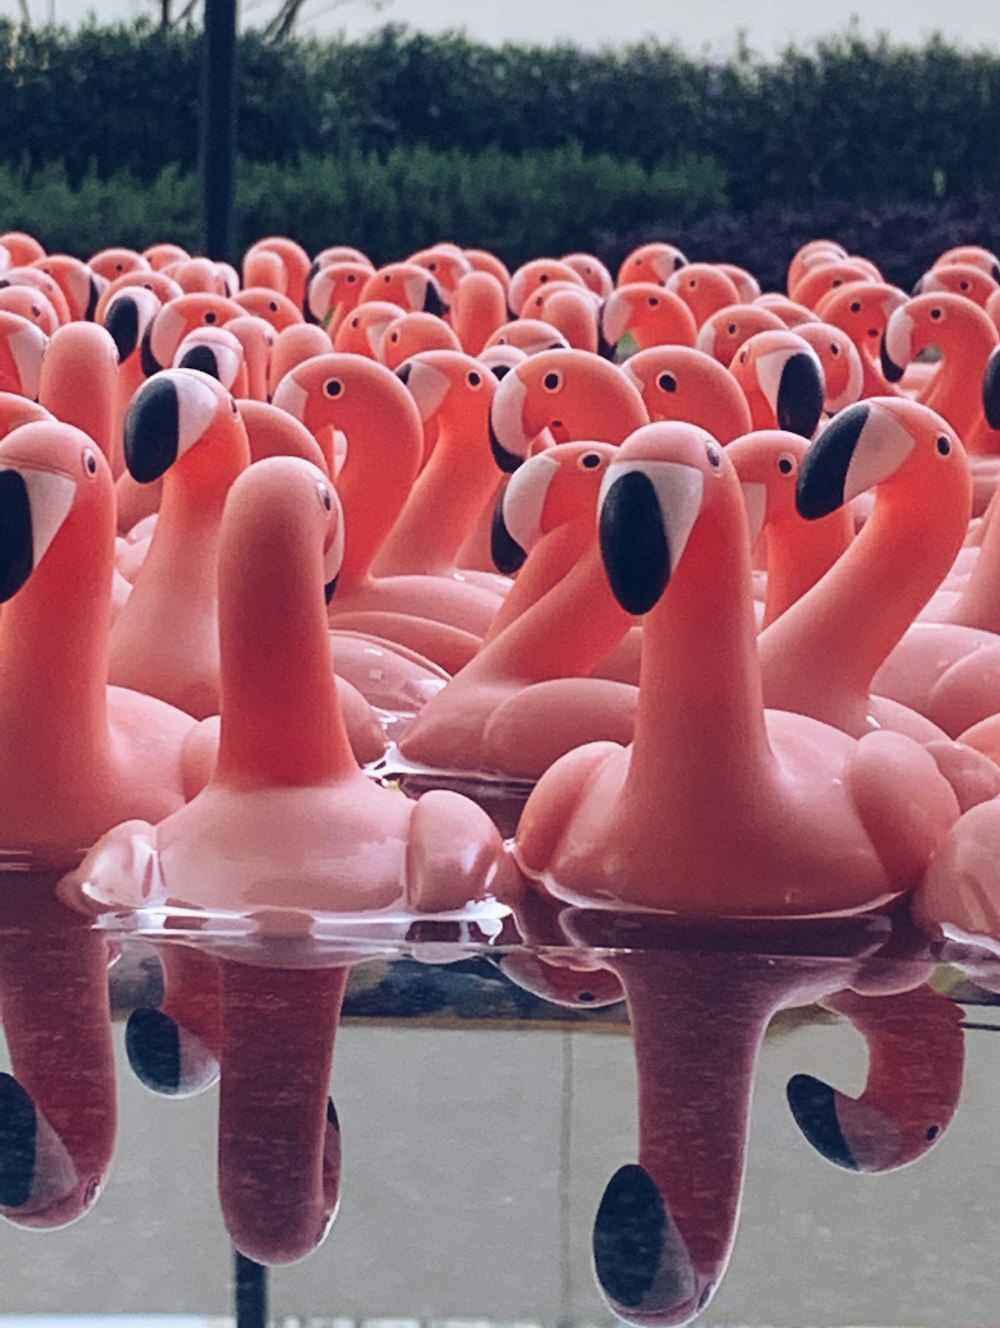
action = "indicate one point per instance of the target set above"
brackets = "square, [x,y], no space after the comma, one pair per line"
[812,814]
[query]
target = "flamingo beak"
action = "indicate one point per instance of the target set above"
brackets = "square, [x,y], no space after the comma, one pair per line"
[849,1133]
[122,323]
[200,357]
[33,505]
[798,402]
[646,512]
[640,1258]
[166,417]
[823,475]
[167,1058]
[991,391]
[508,556]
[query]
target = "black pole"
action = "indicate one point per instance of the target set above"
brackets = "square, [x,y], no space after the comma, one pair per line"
[218,129]
[250,1292]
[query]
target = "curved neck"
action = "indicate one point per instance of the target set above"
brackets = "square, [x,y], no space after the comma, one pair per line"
[835,638]
[383,458]
[800,552]
[448,495]
[547,563]
[564,634]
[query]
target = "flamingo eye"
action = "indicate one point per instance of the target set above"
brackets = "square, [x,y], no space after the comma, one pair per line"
[834,348]
[474,378]
[590,460]
[89,461]
[333,387]
[666,382]
[387,278]
[36,311]
[963,285]
[543,278]
[943,444]
[654,301]
[744,355]
[552,382]
[713,454]
[693,283]
[432,267]
[837,281]
[355,322]
[233,406]
[273,307]
[351,277]
[731,329]
[394,337]
[935,313]
[855,306]
[210,317]
[933,1132]
[786,465]
[324,497]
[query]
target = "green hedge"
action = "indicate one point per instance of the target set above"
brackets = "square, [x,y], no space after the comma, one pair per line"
[847,119]
[537,203]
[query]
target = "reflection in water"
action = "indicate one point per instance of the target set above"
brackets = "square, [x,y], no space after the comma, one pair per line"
[57,1109]
[261,1015]
[700,1000]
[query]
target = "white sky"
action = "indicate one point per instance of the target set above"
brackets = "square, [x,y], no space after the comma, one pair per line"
[695,24]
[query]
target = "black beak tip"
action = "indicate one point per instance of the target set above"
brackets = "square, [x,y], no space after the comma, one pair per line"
[330,589]
[152,1043]
[800,395]
[634,546]
[891,371]
[814,1106]
[16,544]
[18,1133]
[507,461]
[203,358]
[152,430]
[823,475]
[122,323]
[508,556]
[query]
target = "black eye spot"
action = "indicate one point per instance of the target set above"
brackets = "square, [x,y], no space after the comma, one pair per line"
[666,382]
[713,454]
[743,356]
[836,282]
[786,465]
[432,267]
[543,278]
[693,283]
[90,462]
[394,337]
[355,322]
[474,378]
[119,267]
[333,387]
[210,317]
[327,500]
[351,277]
[834,349]
[586,996]
[273,307]
[387,278]
[963,285]
[590,460]
[654,301]
[855,306]
[35,311]
[935,313]
[933,1132]
[551,382]
[943,445]
[731,329]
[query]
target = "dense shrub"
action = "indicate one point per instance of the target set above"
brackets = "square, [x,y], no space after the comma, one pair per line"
[847,119]
[539,202]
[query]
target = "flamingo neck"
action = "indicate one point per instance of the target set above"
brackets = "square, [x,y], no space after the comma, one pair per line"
[564,634]
[699,730]
[281,718]
[961,363]
[697,1027]
[833,640]
[798,554]
[389,445]
[443,505]
[547,563]
[54,656]
[977,604]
